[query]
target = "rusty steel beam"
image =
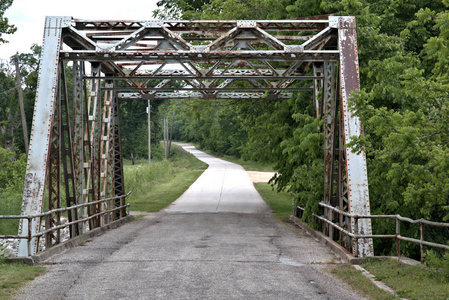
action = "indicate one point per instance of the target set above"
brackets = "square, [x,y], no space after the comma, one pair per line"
[33,196]
[198,95]
[78,139]
[200,26]
[356,172]
[128,55]
[117,158]
[329,115]
[66,147]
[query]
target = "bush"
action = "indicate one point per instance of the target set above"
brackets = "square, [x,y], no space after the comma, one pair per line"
[439,264]
[12,174]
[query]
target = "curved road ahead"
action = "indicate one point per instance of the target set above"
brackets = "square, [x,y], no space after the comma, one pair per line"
[223,187]
[217,241]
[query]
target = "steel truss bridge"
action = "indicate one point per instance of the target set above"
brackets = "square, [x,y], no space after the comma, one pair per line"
[75,146]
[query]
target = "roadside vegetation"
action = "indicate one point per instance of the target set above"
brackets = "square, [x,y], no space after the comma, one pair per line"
[14,276]
[12,174]
[360,283]
[157,185]
[409,281]
[280,202]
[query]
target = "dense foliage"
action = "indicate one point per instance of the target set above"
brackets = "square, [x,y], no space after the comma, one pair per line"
[5,26]
[403,104]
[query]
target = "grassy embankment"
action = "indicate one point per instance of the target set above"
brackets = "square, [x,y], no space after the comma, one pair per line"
[12,277]
[157,185]
[409,281]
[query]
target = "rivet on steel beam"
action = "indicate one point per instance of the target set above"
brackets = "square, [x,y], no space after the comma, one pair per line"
[154,24]
[246,24]
[294,49]
[333,21]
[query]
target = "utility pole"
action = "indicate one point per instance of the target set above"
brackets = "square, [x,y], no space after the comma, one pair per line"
[22,109]
[165,137]
[149,131]
[171,133]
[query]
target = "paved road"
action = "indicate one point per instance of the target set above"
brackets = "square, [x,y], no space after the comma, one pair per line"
[193,250]
[223,187]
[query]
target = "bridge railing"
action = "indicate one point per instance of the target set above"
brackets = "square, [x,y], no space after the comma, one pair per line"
[397,235]
[104,215]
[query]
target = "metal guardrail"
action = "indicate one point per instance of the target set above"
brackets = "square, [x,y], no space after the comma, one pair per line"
[46,215]
[397,234]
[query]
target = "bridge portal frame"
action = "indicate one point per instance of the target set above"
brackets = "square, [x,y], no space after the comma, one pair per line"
[205,59]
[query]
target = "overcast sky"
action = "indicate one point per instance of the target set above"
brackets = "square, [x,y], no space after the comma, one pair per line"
[29,17]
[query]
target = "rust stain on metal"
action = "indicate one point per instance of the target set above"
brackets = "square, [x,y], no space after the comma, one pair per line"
[214,57]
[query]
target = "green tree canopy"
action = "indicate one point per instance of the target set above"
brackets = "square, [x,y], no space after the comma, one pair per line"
[5,26]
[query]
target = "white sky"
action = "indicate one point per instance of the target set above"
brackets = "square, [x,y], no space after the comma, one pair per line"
[29,16]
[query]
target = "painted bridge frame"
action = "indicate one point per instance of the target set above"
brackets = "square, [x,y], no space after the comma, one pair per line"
[115,60]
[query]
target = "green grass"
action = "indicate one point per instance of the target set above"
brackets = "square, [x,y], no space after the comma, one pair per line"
[14,276]
[157,185]
[11,204]
[359,282]
[280,202]
[410,281]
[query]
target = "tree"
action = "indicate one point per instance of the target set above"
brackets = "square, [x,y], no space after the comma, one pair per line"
[5,27]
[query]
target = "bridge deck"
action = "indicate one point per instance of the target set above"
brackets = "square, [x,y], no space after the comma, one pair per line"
[207,255]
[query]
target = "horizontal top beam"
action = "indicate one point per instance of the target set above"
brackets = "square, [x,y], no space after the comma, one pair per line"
[199,95]
[201,25]
[198,56]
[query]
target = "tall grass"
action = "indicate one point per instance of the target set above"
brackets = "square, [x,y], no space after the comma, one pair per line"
[157,185]
[153,186]
[142,175]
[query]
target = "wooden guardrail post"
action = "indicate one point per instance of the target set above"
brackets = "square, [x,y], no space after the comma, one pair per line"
[421,238]
[398,233]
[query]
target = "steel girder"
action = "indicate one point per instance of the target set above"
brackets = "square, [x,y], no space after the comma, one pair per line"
[182,60]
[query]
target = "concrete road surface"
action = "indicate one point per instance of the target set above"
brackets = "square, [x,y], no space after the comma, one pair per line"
[223,187]
[212,243]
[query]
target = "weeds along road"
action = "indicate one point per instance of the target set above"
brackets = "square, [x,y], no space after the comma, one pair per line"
[217,241]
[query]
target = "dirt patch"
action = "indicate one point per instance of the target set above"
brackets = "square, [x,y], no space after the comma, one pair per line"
[260,176]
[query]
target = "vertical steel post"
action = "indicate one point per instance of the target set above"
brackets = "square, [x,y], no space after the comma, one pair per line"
[117,164]
[53,175]
[421,239]
[33,196]
[105,169]
[78,132]
[329,112]
[317,85]
[91,144]
[149,131]
[66,153]
[398,233]
[356,172]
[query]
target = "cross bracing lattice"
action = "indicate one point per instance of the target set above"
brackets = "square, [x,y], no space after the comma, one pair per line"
[116,60]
